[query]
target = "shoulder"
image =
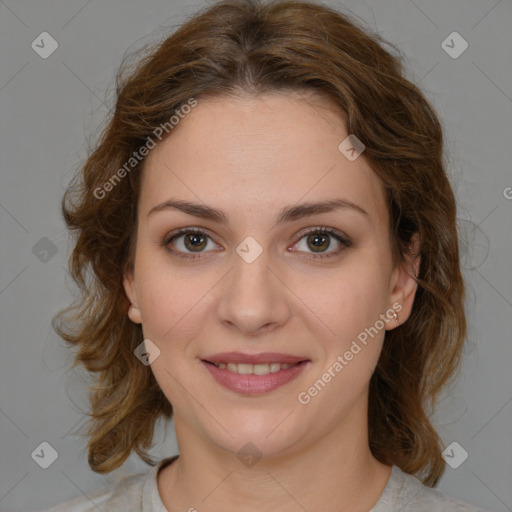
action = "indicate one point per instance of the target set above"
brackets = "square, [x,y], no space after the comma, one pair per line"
[124,496]
[134,493]
[406,493]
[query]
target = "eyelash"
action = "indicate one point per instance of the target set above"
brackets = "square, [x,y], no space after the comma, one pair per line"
[345,243]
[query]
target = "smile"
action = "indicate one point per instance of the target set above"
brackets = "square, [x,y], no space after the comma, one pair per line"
[253,369]
[237,374]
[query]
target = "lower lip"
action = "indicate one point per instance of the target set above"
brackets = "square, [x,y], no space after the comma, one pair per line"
[254,384]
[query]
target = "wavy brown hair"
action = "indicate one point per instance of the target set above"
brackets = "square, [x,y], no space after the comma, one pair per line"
[264,47]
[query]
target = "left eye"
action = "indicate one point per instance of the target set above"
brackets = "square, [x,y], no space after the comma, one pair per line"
[319,240]
[193,242]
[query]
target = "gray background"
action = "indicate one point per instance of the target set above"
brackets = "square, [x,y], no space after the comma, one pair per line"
[51,107]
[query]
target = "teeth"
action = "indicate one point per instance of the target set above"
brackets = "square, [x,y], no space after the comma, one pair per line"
[253,369]
[244,369]
[259,369]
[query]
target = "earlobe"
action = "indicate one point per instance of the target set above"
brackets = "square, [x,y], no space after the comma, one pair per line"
[134,315]
[129,288]
[405,286]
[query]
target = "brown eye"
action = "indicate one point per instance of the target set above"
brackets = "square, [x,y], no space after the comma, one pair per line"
[318,242]
[195,241]
[188,243]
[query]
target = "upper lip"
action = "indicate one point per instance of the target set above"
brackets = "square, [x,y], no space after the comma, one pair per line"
[262,358]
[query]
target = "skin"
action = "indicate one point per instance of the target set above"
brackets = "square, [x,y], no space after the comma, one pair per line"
[250,156]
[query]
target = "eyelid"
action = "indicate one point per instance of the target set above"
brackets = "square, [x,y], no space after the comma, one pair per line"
[323,229]
[184,231]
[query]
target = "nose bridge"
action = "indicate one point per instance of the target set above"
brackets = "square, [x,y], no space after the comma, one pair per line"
[251,266]
[252,297]
[251,279]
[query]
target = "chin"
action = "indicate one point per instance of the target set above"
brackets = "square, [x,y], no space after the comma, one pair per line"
[260,434]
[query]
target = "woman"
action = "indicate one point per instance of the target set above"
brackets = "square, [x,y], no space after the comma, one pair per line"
[266,240]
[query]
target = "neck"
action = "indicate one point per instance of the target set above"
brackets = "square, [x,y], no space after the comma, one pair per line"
[336,473]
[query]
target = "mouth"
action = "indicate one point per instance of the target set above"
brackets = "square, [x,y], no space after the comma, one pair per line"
[254,369]
[254,374]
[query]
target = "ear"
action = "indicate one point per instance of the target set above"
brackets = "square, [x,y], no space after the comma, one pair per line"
[404,285]
[131,292]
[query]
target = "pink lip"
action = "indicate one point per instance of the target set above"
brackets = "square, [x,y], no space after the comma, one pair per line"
[255,384]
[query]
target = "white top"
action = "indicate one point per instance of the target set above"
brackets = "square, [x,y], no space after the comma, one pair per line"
[139,493]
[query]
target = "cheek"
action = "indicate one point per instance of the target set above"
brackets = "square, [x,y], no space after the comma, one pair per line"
[346,300]
[350,306]
[171,302]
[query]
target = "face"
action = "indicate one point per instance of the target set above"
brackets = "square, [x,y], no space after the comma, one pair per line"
[269,314]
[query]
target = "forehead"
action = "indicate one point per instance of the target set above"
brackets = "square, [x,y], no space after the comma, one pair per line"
[252,154]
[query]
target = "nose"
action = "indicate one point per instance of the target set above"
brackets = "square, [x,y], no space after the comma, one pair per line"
[254,297]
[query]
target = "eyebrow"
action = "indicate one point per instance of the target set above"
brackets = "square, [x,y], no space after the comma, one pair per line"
[286,214]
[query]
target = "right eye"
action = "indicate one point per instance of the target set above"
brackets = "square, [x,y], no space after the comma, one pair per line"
[190,242]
